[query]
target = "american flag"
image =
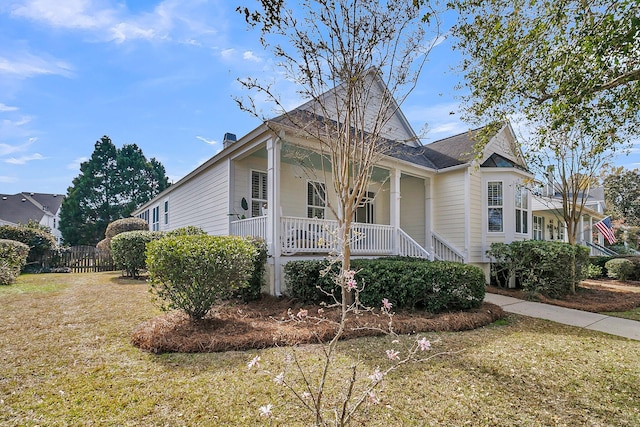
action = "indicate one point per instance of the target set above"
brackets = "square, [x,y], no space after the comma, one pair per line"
[606,229]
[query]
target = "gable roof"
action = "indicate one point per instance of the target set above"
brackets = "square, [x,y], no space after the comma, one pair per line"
[22,207]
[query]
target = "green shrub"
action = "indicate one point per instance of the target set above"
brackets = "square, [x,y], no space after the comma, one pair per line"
[123,225]
[189,230]
[620,268]
[553,269]
[191,273]
[13,257]
[37,239]
[592,271]
[128,250]
[411,284]
[254,290]
[600,261]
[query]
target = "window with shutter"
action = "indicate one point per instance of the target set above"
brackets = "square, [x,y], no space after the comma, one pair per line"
[258,192]
[316,196]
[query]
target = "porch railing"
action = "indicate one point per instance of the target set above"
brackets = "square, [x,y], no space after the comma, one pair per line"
[311,235]
[409,247]
[250,227]
[444,251]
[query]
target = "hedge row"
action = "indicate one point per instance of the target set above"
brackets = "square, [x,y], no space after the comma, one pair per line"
[13,256]
[38,240]
[539,267]
[407,283]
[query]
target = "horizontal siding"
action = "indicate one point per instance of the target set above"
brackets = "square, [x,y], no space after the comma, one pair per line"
[448,207]
[203,201]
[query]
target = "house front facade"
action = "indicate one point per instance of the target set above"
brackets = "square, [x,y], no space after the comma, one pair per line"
[437,201]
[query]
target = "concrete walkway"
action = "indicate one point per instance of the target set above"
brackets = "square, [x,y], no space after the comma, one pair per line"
[568,316]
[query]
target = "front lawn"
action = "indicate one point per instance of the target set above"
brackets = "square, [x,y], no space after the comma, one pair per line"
[67,360]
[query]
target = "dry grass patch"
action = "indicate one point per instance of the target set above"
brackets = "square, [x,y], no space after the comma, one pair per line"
[67,360]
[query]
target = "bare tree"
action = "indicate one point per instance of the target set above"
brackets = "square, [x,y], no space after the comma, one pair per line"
[571,162]
[355,61]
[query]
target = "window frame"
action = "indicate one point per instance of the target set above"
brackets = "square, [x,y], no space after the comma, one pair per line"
[257,203]
[537,233]
[316,203]
[521,201]
[495,208]
[155,225]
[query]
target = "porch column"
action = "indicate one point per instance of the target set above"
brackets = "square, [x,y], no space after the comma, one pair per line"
[428,227]
[394,178]
[581,229]
[274,146]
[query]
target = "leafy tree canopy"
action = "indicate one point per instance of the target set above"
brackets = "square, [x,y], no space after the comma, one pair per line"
[567,63]
[111,184]
[622,193]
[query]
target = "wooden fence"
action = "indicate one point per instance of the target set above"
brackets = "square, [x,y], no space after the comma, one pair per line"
[80,259]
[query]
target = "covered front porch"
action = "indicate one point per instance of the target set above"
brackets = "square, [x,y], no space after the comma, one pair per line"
[282,193]
[315,236]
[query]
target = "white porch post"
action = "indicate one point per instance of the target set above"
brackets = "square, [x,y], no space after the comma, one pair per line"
[274,146]
[394,179]
[581,229]
[428,227]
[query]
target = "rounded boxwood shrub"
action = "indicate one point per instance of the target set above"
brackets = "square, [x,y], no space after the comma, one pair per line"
[620,268]
[13,256]
[411,284]
[123,225]
[191,273]
[128,250]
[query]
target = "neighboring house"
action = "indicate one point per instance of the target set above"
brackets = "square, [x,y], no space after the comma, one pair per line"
[548,222]
[438,201]
[39,207]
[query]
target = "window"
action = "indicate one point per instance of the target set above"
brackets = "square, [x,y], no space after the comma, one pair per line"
[156,218]
[258,192]
[166,212]
[494,203]
[538,228]
[560,230]
[144,215]
[364,211]
[522,209]
[316,194]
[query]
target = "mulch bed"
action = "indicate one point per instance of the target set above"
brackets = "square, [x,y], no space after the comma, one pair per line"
[593,295]
[273,322]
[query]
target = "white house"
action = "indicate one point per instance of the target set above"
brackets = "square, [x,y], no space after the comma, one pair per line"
[39,207]
[438,201]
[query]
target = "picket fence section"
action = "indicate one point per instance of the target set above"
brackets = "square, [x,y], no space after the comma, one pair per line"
[80,259]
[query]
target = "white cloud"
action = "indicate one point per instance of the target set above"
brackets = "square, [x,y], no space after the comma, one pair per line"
[24,65]
[81,14]
[250,56]
[4,108]
[169,20]
[227,53]
[24,159]
[208,141]
[6,149]
[75,164]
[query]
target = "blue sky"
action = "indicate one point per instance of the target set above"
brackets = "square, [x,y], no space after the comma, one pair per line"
[161,74]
